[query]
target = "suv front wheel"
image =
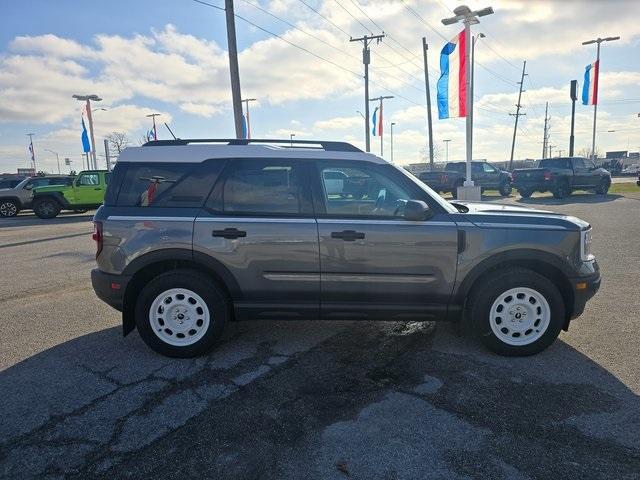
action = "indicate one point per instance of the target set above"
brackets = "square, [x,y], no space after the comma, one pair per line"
[181,313]
[517,312]
[8,208]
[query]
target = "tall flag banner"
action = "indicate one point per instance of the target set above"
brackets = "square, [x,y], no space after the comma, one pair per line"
[151,135]
[245,131]
[452,84]
[590,86]
[33,156]
[86,146]
[376,131]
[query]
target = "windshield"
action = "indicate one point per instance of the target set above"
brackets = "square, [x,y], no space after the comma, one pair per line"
[555,163]
[22,183]
[423,186]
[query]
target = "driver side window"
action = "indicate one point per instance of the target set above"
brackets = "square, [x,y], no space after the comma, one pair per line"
[361,191]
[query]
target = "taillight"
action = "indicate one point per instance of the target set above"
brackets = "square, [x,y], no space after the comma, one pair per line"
[97,236]
[547,176]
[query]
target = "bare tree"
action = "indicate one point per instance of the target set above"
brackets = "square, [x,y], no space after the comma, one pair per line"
[118,141]
[586,152]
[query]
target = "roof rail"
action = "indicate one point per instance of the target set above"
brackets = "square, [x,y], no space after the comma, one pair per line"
[328,146]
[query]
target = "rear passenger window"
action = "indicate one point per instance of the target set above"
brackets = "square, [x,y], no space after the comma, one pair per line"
[168,184]
[263,187]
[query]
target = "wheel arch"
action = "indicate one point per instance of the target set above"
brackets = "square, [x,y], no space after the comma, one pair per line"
[13,199]
[148,266]
[543,263]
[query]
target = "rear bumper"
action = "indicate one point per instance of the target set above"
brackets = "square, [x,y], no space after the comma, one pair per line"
[110,288]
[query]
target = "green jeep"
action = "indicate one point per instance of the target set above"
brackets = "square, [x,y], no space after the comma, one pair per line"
[86,192]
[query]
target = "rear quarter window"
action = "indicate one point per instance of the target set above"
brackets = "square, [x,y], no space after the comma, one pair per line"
[164,184]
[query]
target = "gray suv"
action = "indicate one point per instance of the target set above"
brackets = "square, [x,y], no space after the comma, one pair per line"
[196,233]
[20,197]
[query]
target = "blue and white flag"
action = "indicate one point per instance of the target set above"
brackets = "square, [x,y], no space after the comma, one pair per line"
[86,146]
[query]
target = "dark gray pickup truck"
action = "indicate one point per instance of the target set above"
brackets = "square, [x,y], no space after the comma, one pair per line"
[483,174]
[561,176]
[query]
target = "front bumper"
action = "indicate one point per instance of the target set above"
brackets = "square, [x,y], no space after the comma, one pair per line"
[584,287]
[110,288]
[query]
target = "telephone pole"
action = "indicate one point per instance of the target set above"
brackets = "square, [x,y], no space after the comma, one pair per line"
[545,137]
[234,70]
[366,59]
[517,115]
[380,99]
[425,47]
[246,103]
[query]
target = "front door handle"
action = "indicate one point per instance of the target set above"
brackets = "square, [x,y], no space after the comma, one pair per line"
[229,233]
[97,188]
[348,235]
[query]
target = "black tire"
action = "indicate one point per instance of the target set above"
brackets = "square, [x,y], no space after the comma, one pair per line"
[561,191]
[203,286]
[46,207]
[8,208]
[505,189]
[491,288]
[603,187]
[525,192]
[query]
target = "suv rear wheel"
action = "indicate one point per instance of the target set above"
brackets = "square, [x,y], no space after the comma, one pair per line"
[46,207]
[602,188]
[8,208]
[181,313]
[516,312]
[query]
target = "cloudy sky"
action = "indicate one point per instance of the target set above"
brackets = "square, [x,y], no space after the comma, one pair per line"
[295,57]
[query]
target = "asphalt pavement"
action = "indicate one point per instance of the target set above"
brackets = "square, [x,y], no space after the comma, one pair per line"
[294,400]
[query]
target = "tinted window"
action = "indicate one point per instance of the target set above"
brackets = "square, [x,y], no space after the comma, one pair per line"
[455,167]
[264,187]
[165,184]
[488,168]
[555,163]
[364,190]
[43,182]
[8,183]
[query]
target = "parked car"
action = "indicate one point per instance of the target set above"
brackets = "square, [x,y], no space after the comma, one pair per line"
[631,170]
[86,191]
[192,236]
[10,182]
[20,197]
[483,174]
[561,176]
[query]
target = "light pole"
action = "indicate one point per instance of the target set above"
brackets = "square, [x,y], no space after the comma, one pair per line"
[57,158]
[392,124]
[598,41]
[246,103]
[446,142]
[291,135]
[473,62]
[465,15]
[155,131]
[88,98]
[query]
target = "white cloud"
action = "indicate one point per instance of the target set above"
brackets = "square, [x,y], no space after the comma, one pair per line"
[338,123]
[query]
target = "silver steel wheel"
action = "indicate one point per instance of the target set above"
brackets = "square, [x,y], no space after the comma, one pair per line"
[179,317]
[520,316]
[8,209]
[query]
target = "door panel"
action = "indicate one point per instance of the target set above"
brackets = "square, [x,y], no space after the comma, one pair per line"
[88,189]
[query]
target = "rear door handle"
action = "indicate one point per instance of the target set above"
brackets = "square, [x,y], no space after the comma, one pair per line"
[348,235]
[229,233]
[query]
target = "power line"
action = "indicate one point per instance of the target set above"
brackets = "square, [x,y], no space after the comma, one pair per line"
[329,21]
[353,16]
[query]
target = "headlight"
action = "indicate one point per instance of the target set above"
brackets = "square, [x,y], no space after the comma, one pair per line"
[585,245]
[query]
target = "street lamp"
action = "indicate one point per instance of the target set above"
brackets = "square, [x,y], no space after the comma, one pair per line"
[88,99]
[57,158]
[598,41]
[392,124]
[446,142]
[469,17]
[246,102]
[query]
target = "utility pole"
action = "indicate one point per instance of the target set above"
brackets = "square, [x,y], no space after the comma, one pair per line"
[380,99]
[598,41]
[246,103]
[155,130]
[551,147]
[106,154]
[392,124]
[446,142]
[544,134]
[366,59]
[574,96]
[57,158]
[234,70]
[517,115]
[425,47]
[32,151]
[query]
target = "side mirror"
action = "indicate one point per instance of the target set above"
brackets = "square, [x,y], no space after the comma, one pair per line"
[417,211]
[29,187]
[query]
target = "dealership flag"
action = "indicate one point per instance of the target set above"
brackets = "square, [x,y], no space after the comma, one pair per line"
[376,131]
[86,147]
[590,87]
[452,84]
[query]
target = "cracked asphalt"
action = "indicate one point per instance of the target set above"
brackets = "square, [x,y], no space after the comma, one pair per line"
[326,400]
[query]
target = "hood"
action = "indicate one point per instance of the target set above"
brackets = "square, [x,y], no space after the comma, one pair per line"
[489,215]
